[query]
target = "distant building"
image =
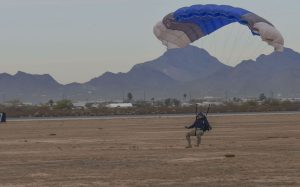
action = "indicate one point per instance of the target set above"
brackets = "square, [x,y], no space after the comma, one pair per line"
[186,104]
[207,103]
[86,104]
[119,105]
[213,99]
[290,99]
[16,103]
[80,104]
[244,100]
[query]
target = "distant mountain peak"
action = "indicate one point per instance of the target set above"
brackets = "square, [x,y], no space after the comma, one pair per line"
[190,50]
[5,74]
[176,72]
[186,64]
[21,73]
[108,73]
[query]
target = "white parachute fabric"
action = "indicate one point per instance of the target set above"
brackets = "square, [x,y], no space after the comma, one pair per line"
[170,38]
[270,35]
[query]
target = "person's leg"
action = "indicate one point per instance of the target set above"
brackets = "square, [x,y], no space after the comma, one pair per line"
[198,140]
[188,138]
[199,134]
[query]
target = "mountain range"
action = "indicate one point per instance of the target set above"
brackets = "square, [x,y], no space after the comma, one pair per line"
[189,70]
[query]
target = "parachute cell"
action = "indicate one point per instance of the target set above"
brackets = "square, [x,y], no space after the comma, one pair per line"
[188,24]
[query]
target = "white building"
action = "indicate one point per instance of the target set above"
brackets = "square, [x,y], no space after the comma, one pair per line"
[80,104]
[119,105]
[207,103]
[83,104]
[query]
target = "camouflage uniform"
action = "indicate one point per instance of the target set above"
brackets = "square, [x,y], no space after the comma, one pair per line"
[194,132]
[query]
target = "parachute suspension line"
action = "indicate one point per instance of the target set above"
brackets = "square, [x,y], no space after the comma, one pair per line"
[231,46]
[255,50]
[222,46]
[215,50]
[245,45]
[211,44]
[239,35]
[215,45]
[207,42]
[225,46]
[262,47]
[266,48]
[252,47]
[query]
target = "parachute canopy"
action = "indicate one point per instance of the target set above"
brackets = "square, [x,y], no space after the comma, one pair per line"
[188,24]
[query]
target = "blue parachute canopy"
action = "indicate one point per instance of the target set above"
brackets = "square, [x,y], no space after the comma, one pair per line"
[210,17]
[188,24]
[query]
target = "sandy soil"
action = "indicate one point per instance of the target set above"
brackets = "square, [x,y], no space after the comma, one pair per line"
[240,151]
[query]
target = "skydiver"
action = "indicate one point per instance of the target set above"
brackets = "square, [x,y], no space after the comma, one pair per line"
[199,127]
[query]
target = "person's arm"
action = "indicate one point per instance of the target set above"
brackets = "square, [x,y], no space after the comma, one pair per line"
[191,126]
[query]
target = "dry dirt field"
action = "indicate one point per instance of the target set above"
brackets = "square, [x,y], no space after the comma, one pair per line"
[241,151]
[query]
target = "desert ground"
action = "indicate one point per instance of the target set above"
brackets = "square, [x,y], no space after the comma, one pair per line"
[261,150]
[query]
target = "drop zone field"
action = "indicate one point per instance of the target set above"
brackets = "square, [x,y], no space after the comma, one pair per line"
[262,150]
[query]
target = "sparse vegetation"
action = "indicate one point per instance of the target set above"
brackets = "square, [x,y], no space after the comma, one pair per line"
[63,105]
[168,106]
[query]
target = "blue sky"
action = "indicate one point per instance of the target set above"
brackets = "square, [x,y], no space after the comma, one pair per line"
[76,40]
